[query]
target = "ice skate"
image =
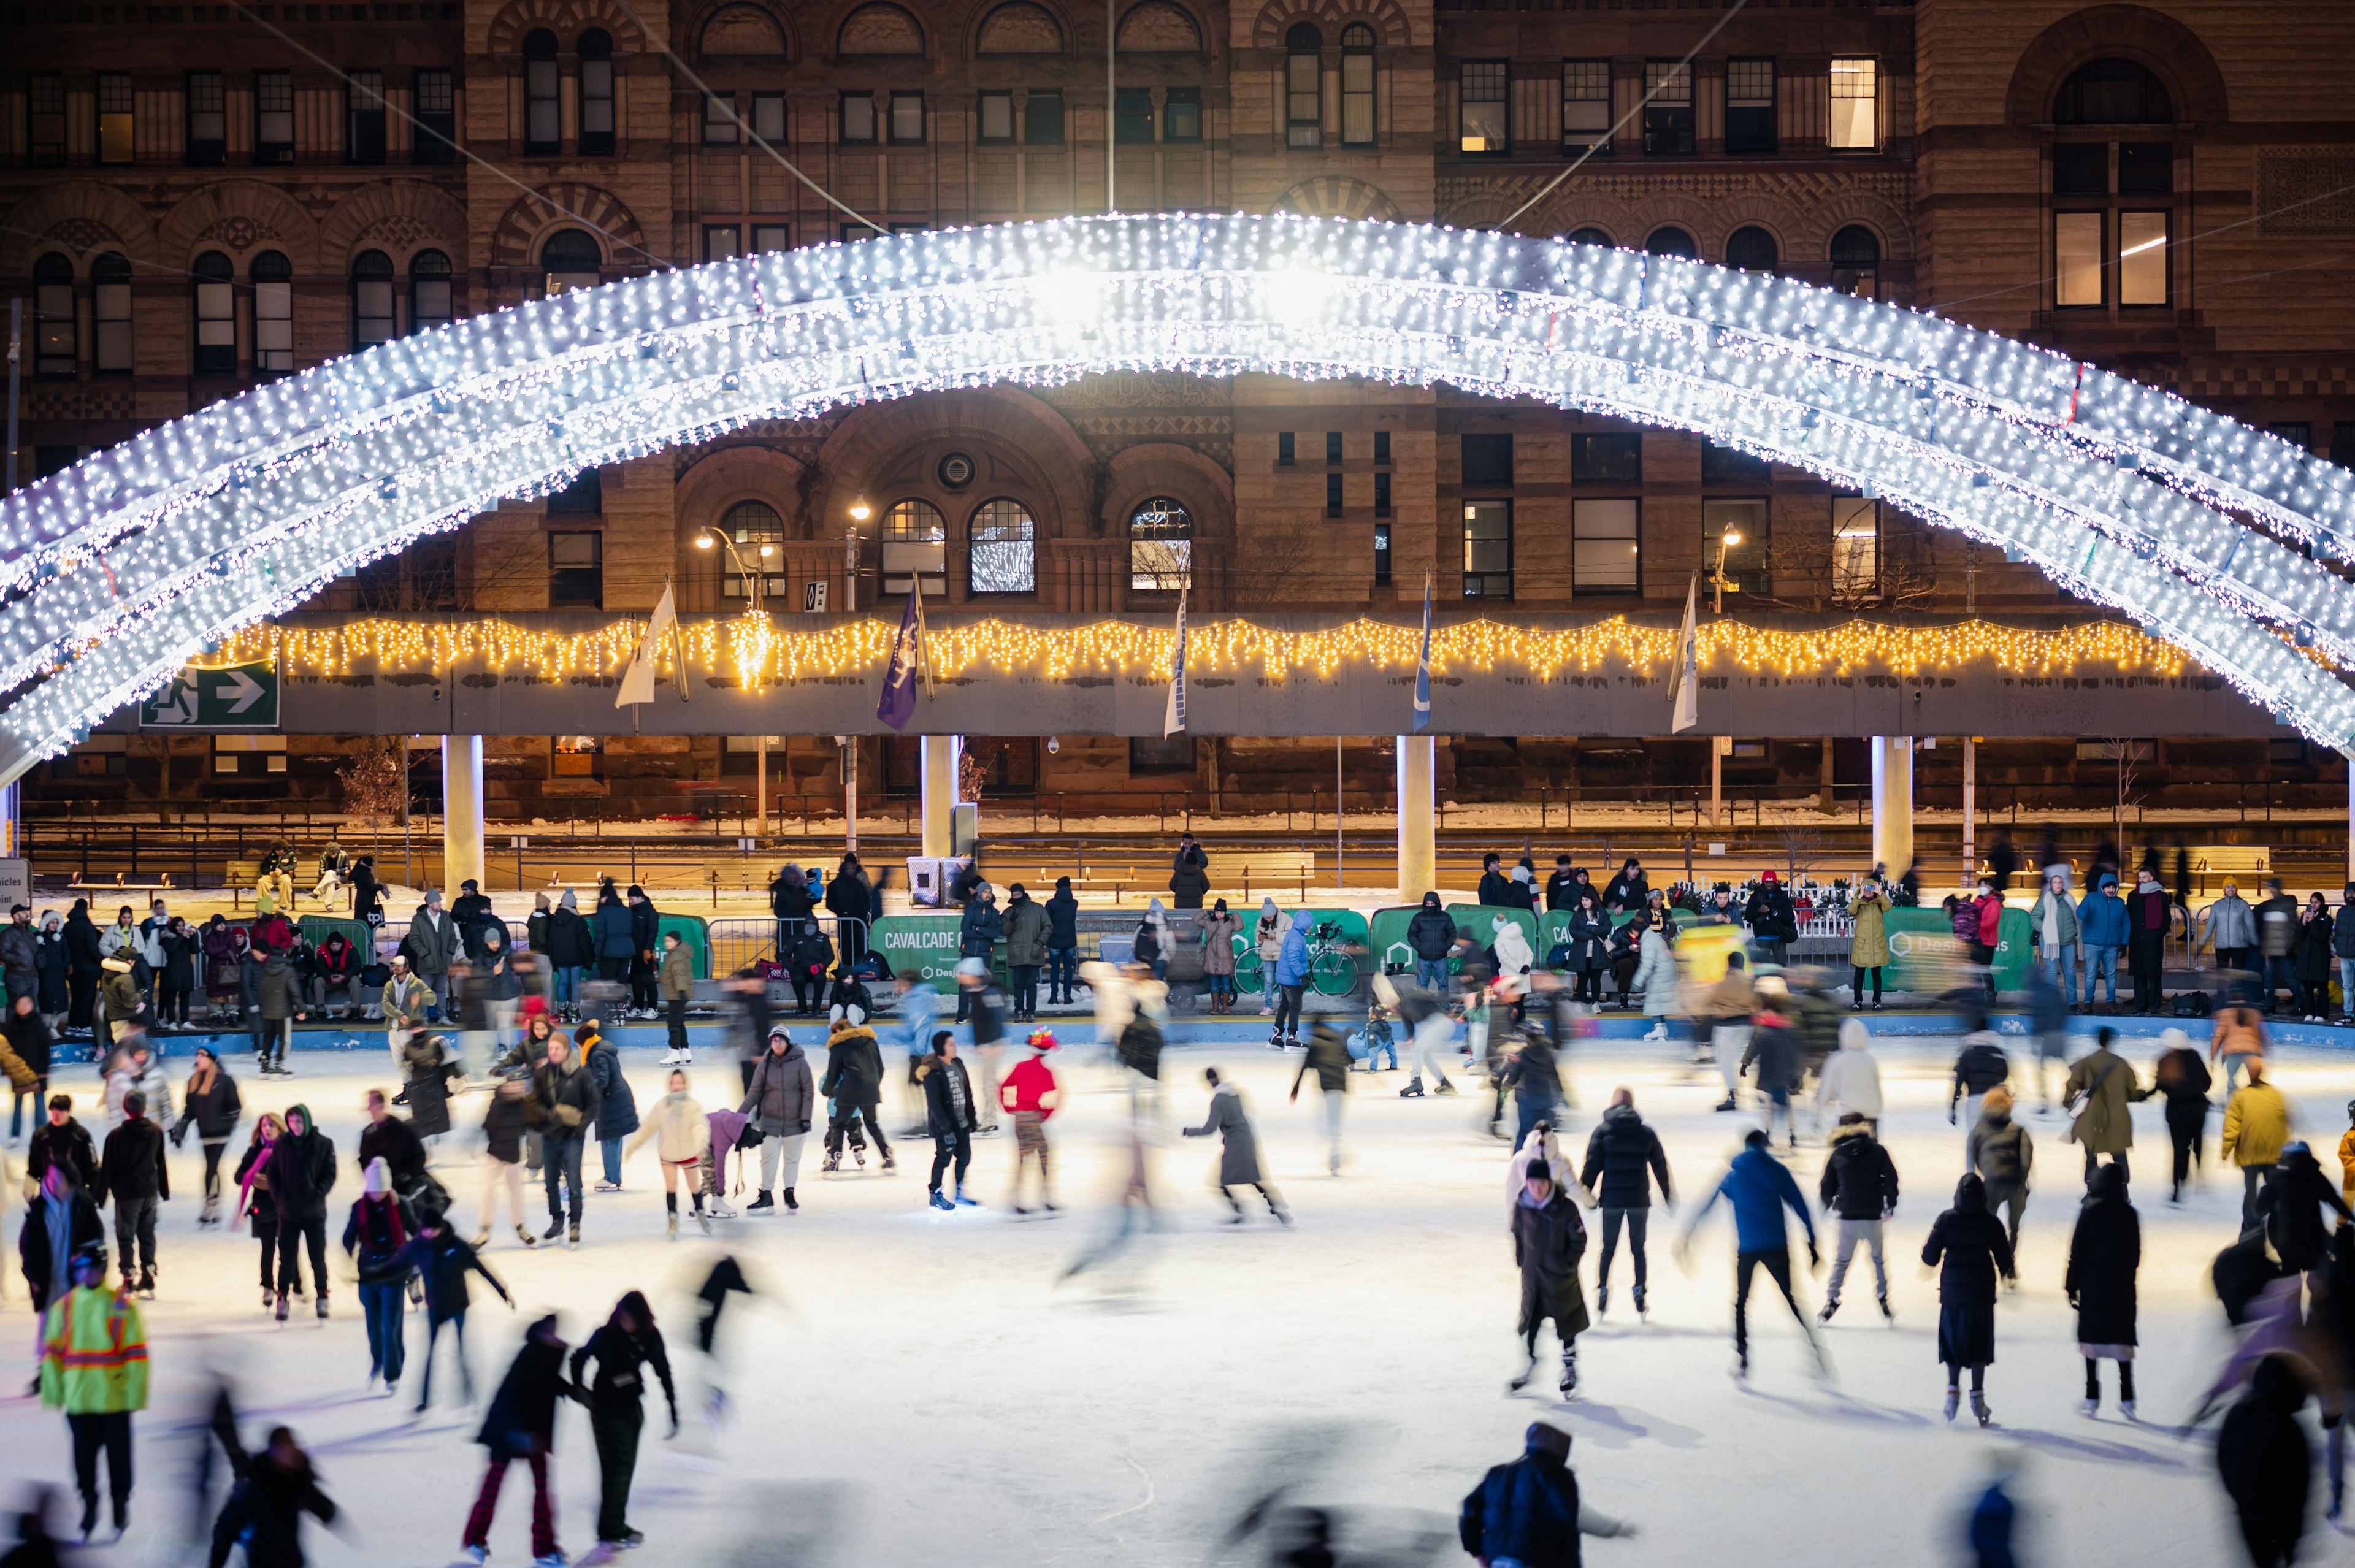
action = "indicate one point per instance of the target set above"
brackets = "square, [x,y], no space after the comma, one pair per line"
[1888,1313]
[211,1215]
[670,1231]
[761,1208]
[1638,1298]
[475,1554]
[939,1203]
[555,1229]
[572,1237]
[1979,1408]
[1569,1373]
[1413,1091]
[829,1165]
[889,1164]
[963,1202]
[1741,1366]
[703,1220]
[481,1238]
[1445,1088]
[1831,1305]
[1521,1379]
[321,1307]
[2089,1408]
[1953,1402]
[282,1308]
[858,1153]
[526,1237]
[791,1207]
[2127,1408]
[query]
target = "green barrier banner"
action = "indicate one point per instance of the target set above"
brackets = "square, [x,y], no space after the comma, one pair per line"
[1387,937]
[922,945]
[1478,922]
[693,934]
[1350,929]
[1924,954]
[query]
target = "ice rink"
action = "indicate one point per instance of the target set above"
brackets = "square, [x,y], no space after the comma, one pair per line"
[913,1387]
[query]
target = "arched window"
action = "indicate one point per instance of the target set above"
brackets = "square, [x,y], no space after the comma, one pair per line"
[1856,262]
[596,50]
[2113,92]
[371,298]
[1752,249]
[1357,85]
[915,548]
[759,536]
[1160,547]
[1304,86]
[571,260]
[1159,27]
[274,313]
[56,345]
[1020,29]
[1672,241]
[542,127]
[1591,236]
[216,314]
[429,291]
[1004,554]
[110,314]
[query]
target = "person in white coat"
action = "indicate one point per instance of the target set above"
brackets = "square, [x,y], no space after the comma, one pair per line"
[1849,1080]
[1656,976]
[1541,1144]
[682,1130]
[1513,956]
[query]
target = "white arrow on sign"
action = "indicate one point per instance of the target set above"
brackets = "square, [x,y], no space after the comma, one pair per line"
[243,688]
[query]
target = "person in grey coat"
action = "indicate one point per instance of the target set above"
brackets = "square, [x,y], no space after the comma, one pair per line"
[617,1108]
[1238,1148]
[779,1100]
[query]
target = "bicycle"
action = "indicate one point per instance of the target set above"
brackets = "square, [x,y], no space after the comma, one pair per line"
[1332,962]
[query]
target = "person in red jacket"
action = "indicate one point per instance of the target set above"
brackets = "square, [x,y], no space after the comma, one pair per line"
[1029,1092]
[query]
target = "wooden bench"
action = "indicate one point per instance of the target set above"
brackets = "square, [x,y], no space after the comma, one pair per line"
[120,886]
[242,875]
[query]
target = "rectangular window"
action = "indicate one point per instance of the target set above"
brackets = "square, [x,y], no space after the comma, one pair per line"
[1381,495]
[1042,119]
[1856,548]
[1750,106]
[273,326]
[543,118]
[1182,114]
[1734,533]
[2342,444]
[585,498]
[364,117]
[1381,554]
[769,117]
[2146,169]
[770,237]
[719,242]
[1358,98]
[1856,104]
[720,121]
[2077,258]
[1132,120]
[2080,168]
[1332,494]
[907,118]
[2297,432]
[1731,465]
[597,107]
[858,119]
[1606,459]
[436,138]
[1333,446]
[1606,546]
[1174,755]
[1284,449]
[997,121]
[575,756]
[2142,258]
[1668,114]
[576,572]
[1487,459]
[273,117]
[207,118]
[1585,106]
[46,103]
[109,320]
[57,344]
[216,325]
[114,102]
[1304,100]
[1487,550]
[1482,114]
[1381,447]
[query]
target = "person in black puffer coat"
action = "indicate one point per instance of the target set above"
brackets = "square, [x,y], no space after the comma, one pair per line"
[2184,1079]
[2291,1203]
[2104,1253]
[1529,1512]
[1969,1248]
[521,1424]
[301,1173]
[1549,1237]
[1625,1156]
[1859,1186]
[2265,1462]
[616,1399]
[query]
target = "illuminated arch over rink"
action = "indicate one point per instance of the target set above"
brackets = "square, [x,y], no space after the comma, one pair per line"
[122,567]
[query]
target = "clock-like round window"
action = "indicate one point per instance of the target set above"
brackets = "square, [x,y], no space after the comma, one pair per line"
[956,471]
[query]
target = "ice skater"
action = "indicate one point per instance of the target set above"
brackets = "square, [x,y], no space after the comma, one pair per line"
[2104,1253]
[1239,1163]
[1549,1237]
[853,1087]
[1859,1185]
[726,1279]
[1329,1057]
[1758,1188]
[950,1115]
[1623,1158]
[443,1260]
[627,1344]
[1030,1096]
[379,1226]
[94,1369]
[521,1424]
[1530,1510]
[271,1492]
[2002,1155]
[683,1130]
[1969,1248]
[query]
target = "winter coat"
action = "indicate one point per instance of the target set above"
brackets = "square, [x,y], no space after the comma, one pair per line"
[645,928]
[215,1109]
[2183,1078]
[2267,1464]
[1969,1247]
[1655,975]
[301,1172]
[1063,919]
[432,945]
[1188,886]
[2002,1154]
[1431,934]
[1587,935]
[854,1067]
[677,974]
[68,1145]
[610,930]
[507,1120]
[781,1095]
[52,970]
[2316,963]
[1980,1065]
[2277,921]
[565,1100]
[1561,890]
[789,897]
[150,1081]
[571,943]
[1549,1239]
[1534,1075]
[31,1038]
[2104,1251]
[1026,924]
[847,894]
[946,1084]
[131,1165]
[275,1498]
[83,953]
[2342,931]
[120,993]
[1769,914]
[1495,889]
[1328,1056]
[2058,909]
[1239,1144]
[521,1420]
[1627,890]
[1525,1512]
[1218,932]
[1292,957]
[279,992]
[2256,1126]
[1860,1179]
[2290,1205]
[617,1108]
[1775,1052]
[1868,949]
[2230,923]
[619,1385]
[978,932]
[180,970]
[1758,1189]
[35,1255]
[1623,1154]
[680,1128]
[1850,1081]
[20,950]
[378,1228]
[2105,1082]
[2101,918]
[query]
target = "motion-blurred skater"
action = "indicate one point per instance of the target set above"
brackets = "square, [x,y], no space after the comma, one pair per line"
[1238,1164]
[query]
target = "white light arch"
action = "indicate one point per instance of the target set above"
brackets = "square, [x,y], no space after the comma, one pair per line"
[124,567]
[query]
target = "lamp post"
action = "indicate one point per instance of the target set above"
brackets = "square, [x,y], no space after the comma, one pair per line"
[1725,541]
[754,585]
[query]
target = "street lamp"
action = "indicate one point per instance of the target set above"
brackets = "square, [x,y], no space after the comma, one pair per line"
[752,580]
[1725,541]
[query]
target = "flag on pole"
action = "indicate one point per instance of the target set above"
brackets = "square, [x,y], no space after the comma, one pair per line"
[897,703]
[1423,666]
[638,680]
[1684,681]
[1173,716]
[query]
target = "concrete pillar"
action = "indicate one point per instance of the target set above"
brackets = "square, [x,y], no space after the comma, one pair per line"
[461,807]
[1418,818]
[940,788]
[1892,803]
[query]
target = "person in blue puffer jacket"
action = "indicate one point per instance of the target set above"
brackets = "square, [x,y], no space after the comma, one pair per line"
[1530,1511]
[1291,980]
[1758,1189]
[2102,932]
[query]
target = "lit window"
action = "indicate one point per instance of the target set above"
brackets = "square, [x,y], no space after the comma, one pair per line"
[542,124]
[1304,86]
[1487,550]
[719,242]
[1668,114]
[2077,258]
[1856,104]
[1481,116]
[2142,258]
[216,315]
[569,261]
[1744,552]
[858,118]
[364,117]
[1856,548]
[1605,546]
[110,314]
[1585,106]
[371,298]
[274,314]
[596,50]
[915,548]
[1181,115]
[575,756]
[1357,85]
[207,118]
[114,118]
[1382,553]
[770,237]
[1160,547]
[1003,558]
[273,117]
[1750,106]
[759,536]
[429,291]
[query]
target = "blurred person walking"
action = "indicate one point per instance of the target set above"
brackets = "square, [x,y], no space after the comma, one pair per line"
[506,1123]
[2256,1128]
[134,1174]
[2277,923]
[2267,1464]
[979,999]
[1730,1006]
[621,1348]
[1530,1511]
[2239,1039]
[1849,1080]
[1238,1161]
[210,1101]
[521,1424]
[442,1258]
[1981,1066]
[1031,1096]
[2101,1090]
[2105,1255]
[1623,1157]
[32,1042]
[1328,1056]
[2182,1078]
[1969,1248]
[2001,1155]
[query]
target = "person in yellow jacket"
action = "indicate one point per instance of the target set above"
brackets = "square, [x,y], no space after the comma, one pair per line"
[2346,1158]
[2256,1126]
[94,1367]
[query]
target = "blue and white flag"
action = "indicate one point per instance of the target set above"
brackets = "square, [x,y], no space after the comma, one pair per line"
[1423,666]
[1173,716]
[897,703]
[1683,680]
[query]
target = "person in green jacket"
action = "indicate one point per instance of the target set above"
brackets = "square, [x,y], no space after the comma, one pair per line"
[94,1369]
[2053,924]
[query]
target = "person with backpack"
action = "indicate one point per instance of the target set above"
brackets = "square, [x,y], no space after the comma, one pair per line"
[1549,1239]
[2001,1155]
[1530,1511]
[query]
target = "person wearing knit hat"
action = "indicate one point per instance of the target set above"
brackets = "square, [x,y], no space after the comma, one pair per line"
[853,1086]
[1032,1093]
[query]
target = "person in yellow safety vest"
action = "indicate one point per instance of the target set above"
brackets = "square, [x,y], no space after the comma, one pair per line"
[94,1367]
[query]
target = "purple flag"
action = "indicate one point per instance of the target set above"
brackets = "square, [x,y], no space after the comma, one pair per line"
[897,703]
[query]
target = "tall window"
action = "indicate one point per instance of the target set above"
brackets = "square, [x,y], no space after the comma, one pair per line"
[1042,119]
[1182,114]
[1585,106]
[273,117]
[769,117]
[996,122]
[719,121]
[1856,548]
[436,137]
[115,142]
[1357,85]
[364,117]
[1856,262]
[1752,248]
[44,103]
[1131,120]
[858,119]
[274,314]
[56,343]
[110,314]
[1856,104]
[216,301]
[1487,550]
[759,536]
[542,120]
[915,548]
[569,261]
[2142,258]
[720,241]
[1734,532]
[576,571]
[2077,258]
[1750,106]
[1002,556]
[596,51]
[2112,92]
[907,118]
[1160,547]
[1606,545]
[1481,115]
[1668,117]
[1304,86]
[429,291]
[207,118]
[372,321]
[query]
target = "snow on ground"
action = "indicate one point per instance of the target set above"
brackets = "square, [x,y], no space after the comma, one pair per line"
[913,1387]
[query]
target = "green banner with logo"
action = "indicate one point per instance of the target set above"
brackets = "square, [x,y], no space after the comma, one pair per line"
[922,945]
[1925,955]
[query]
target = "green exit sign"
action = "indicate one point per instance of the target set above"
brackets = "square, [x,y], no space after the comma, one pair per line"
[235,696]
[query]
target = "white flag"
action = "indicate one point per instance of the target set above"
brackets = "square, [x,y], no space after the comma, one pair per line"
[1173,716]
[638,680]
[1683,680]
